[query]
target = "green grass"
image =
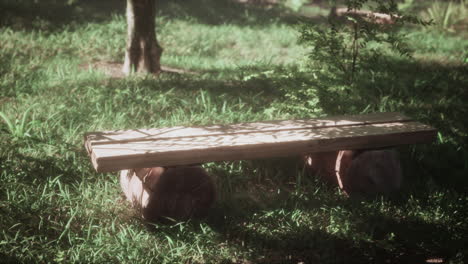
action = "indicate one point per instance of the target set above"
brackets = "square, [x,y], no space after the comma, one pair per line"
[55,208]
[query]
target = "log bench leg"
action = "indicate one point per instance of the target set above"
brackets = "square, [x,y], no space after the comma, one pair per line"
[365,172]
[176,193]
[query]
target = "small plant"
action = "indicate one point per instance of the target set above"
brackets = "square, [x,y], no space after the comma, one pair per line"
[354,40]
[447,14]
[19,128]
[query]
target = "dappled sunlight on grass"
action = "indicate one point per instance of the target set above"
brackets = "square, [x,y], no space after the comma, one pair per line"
[238,63]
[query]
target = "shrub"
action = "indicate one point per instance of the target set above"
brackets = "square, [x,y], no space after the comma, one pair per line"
[355,40]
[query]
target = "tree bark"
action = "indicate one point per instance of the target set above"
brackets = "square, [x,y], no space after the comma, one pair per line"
[143,51]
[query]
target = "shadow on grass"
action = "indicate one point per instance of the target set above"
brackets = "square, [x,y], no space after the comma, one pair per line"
[16,82]
[24,168]
[271,235]
[410,240]
[372,236]
[7,259]
[219,12]
[53,15]
[431,92]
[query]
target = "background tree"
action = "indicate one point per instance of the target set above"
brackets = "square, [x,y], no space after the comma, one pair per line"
[143,51]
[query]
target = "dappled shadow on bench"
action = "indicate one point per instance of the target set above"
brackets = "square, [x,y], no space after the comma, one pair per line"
[173,146]
[276,128]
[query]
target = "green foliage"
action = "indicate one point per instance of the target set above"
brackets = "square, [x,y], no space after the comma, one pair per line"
[352,44]
[56,209]
[19,128]
[447,14]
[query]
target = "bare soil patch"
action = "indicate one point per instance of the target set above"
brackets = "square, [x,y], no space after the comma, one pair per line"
[114,69]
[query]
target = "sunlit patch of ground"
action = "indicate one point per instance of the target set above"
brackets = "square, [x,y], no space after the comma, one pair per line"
[114,69]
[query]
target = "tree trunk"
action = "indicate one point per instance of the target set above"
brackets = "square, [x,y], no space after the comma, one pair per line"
[143,52]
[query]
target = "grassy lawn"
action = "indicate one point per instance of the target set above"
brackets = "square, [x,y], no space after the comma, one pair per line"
[247,66]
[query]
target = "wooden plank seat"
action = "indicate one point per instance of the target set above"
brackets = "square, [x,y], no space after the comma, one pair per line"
[172,146]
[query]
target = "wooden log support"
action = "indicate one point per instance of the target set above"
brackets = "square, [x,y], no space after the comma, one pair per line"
[144,148]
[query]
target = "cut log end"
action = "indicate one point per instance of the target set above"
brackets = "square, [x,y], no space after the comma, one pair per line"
[177,193]
[368,172]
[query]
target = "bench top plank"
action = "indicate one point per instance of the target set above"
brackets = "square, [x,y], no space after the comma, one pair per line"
[117,150]
[97,138]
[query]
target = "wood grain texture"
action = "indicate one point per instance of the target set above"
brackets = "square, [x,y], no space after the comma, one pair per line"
[96,138]
[117,150]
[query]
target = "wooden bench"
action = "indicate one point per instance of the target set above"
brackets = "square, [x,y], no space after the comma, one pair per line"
[173,146]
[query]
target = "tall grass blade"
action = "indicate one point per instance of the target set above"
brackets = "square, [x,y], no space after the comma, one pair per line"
[10,126]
